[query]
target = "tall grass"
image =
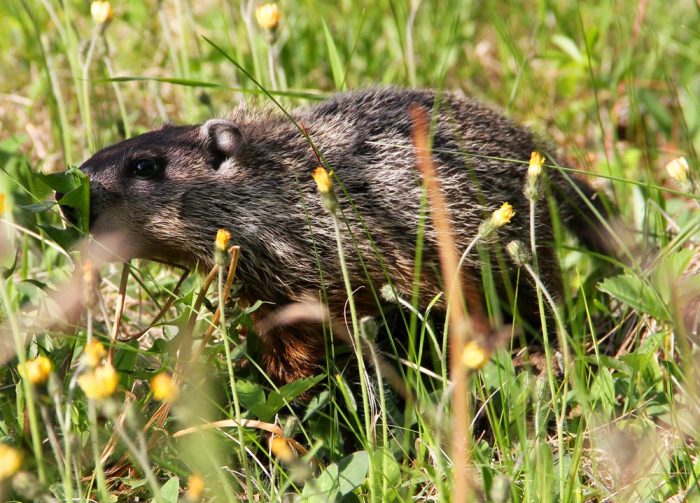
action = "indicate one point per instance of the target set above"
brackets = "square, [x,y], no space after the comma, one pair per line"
[608,413]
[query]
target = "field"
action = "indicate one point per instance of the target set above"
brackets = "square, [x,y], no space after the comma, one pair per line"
[125,382]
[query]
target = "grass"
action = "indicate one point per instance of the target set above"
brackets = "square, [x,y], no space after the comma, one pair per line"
[614,85]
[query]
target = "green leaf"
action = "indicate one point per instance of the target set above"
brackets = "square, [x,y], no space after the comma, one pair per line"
[7,271]
[568,46]
[63,182]
[602,391]
[249,394]
[334,59]
[65,238]
[338,480]
[38,207]
[669,271]
[79,198]
[635,293]
[289,392]
[170,490]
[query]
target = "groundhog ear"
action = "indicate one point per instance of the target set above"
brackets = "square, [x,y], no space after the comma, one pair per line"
[224,136]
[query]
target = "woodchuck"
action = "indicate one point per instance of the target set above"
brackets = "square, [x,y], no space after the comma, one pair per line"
[169,191]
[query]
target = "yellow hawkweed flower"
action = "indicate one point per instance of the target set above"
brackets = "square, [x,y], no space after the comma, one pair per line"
[280,448]
[498,218]
[535,168]
[99,383]
[2,203]
[195,487]
[37,370]
[222,239]
[678,170]
[93,353]
[268,16]
[164,387]
[503,215]
[323,180]
[10,461]
[101,12]
[324,184]
[474,356]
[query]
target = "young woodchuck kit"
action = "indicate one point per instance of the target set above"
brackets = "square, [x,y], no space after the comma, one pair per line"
[169,191]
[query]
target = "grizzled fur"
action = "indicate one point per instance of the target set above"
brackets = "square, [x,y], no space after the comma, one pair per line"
[251,173]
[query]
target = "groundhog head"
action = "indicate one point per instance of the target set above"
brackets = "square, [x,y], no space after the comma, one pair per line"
[141,187]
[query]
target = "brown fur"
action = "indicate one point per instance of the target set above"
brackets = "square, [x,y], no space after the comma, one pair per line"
[250,174]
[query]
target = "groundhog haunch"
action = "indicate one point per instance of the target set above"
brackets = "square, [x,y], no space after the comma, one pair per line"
[169,191]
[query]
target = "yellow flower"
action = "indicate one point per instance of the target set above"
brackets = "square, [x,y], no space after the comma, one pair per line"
[222,238]
[101,12]
[37,370]
[10,461]
[535,168]
[268,16]
[100,382]
[323,180]
[678,170]
[195,487]
[503,215]
[474,356]
[324,184]
[164,387]
[281,449]
[2,203]
[93,352]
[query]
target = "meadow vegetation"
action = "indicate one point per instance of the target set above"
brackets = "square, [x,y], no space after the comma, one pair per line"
[100,396]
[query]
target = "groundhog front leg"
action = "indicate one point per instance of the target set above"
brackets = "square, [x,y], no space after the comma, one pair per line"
[289,353]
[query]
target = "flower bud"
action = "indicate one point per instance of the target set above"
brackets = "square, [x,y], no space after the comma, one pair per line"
[268,16]
[324,184]
[518,253]
[101,12]
[679,171]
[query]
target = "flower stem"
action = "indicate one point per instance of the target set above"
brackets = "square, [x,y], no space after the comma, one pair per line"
[232,382]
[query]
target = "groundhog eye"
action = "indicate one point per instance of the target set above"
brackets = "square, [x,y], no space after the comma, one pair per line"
[145,168]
